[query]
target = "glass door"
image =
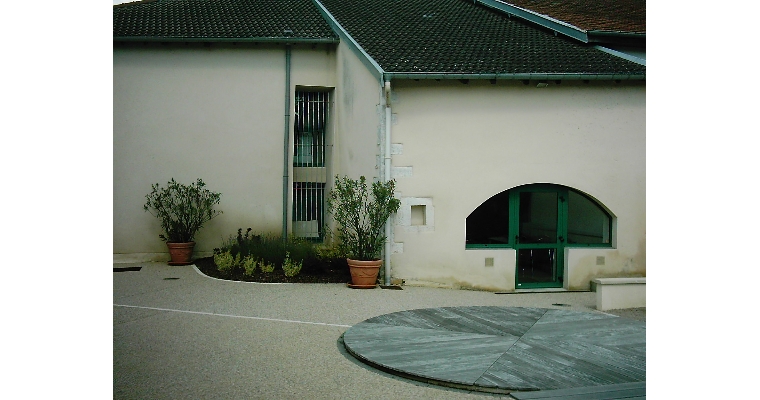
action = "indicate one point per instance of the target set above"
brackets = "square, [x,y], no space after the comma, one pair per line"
[539,236]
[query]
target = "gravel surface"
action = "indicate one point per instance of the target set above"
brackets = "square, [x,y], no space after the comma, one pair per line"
[638,314]
[339,274]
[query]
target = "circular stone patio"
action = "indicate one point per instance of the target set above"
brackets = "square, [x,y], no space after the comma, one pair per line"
[503,349]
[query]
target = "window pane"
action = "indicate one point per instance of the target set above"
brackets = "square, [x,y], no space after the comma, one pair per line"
[536,265]
[538,217]
[489,223]
[587,223]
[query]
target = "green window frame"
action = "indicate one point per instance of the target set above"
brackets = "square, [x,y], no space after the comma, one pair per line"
[581,219]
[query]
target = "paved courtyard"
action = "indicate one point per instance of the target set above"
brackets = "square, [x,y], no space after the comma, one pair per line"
[179,334]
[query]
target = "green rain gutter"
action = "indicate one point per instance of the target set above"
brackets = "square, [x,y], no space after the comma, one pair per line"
[223,40]
[515,77]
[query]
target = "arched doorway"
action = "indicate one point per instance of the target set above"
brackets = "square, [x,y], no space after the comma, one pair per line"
[539,221]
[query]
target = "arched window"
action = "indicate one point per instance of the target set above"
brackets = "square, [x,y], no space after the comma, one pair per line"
[539,213]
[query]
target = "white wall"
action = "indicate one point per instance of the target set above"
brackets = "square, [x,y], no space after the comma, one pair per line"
[214,113]
[461,144]
[359,117]
[218,113]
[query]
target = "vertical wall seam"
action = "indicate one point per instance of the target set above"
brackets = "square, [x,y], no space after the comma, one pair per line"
[286,147]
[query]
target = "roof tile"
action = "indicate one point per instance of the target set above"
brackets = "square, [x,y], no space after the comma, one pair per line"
[597,15]
[217,19]
[455,36]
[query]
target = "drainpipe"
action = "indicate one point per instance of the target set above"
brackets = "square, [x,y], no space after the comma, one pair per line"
[387,154]
[286,146]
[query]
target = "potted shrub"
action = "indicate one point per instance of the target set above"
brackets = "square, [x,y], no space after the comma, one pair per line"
[182,210]
[360,217]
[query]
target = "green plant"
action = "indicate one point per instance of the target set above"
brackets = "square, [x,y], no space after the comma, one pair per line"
[182,209]
[224,261]
[291,267]
[328,252]
[249,264]
[359,217]
[266,268]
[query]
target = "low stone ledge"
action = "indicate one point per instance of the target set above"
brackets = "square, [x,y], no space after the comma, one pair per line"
[618,293]
[620,281]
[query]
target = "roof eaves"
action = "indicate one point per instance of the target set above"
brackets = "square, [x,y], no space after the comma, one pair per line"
[633,38]
[516,77]
[284,40]
[622,55]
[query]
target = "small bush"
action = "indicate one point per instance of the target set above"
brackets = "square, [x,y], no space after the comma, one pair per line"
[266,268]
[224,261]
[291,267]
[328,252]
[249,264]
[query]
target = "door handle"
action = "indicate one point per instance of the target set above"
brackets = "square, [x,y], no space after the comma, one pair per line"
[561,238]
[517,239]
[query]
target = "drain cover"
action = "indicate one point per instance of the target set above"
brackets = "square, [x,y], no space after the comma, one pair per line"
[170,279]
[561,305]
[126,269]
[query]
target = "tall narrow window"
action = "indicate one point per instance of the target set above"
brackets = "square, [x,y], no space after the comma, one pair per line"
[309,173]
[310,122]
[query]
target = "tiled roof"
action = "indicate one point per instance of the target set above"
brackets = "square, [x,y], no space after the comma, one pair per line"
[592,15]
[257,20]
[458,37]
[403,36]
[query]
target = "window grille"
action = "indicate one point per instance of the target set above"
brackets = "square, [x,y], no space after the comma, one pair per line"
[310,126]
[308,209]
[310,121]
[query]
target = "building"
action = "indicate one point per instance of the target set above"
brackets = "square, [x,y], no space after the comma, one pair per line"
[515,131]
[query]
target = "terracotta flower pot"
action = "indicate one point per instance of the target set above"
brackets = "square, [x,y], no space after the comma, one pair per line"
[181,253]
[364,273]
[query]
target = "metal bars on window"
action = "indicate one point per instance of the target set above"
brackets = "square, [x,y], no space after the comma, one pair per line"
[310,121]
[308,209]
[309,173]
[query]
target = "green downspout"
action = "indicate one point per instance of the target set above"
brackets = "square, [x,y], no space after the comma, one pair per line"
[286,146]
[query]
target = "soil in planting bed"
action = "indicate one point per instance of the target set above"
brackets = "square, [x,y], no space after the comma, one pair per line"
[335,272]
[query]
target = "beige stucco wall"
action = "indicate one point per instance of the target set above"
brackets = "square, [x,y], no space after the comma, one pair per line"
[459,144]
[218,113]
[215,113]
[359,117]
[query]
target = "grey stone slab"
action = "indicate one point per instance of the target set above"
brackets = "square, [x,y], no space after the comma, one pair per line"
[530,367]
[485,320]
[442,355]
[552,316]
[633,390]
[587,359]
[610,330]
[505,348]
[499,320]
